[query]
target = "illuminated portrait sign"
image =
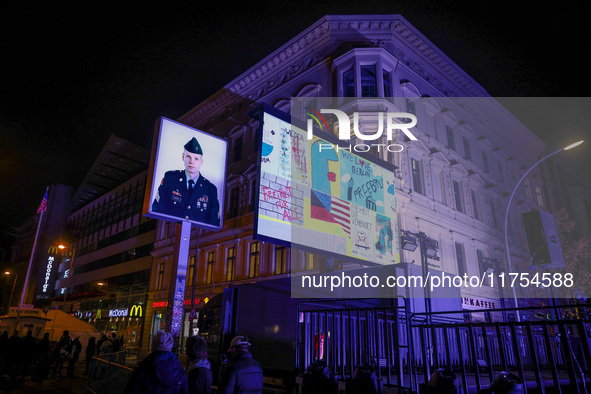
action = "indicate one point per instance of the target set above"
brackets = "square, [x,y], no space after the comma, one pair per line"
[316,193]
[188,173]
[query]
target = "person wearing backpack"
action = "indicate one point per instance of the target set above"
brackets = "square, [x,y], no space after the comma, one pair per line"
[60,353]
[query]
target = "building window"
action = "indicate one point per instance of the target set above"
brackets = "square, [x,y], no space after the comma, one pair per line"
[210,267]
[369,83]
[233,204]
[485,161]
[493,213]
[501,176]
[417,176]
[311,262]
[527,189]
[253,259]
[230,263]
[461,259]
[458,196]
[539,196]
[475,205]
[191,272]
[349,83]
[280,259]
[237,149]
[387,82]
[467,154]
[160,279]
[451,142]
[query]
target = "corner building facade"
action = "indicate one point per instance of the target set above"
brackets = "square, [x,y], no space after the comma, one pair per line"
[104,271]
[452,184]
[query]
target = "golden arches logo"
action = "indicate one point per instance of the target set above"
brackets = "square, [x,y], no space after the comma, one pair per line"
[53,250]
[135,309]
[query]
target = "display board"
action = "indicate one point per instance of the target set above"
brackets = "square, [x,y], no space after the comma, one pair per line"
[318,195]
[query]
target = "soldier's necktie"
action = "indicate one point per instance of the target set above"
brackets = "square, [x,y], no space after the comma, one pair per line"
[191,184]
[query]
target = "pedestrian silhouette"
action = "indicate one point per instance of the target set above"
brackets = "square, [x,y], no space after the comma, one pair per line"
[199,372]
[74,349]
[90,352]
[242,374]
[60,353]
[160,372]
[29,352]
[319,380]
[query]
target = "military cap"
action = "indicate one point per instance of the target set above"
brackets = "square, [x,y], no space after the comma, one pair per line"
[193,147]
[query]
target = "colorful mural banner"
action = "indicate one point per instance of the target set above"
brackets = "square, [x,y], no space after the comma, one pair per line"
[314,194]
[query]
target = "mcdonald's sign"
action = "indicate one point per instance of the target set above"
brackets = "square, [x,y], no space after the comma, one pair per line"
[53,250]
[136,311]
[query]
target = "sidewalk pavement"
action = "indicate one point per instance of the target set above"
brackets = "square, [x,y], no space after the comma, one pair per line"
[59,384]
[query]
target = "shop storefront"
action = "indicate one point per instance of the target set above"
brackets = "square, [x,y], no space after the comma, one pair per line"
[479,309]
[126,321]
[159,308]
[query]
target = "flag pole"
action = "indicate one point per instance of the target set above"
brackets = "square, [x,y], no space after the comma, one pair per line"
[41,209]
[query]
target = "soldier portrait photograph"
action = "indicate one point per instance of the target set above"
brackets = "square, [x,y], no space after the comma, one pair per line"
[194,192]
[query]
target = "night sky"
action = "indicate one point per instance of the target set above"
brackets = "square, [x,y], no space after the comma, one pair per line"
[71,77]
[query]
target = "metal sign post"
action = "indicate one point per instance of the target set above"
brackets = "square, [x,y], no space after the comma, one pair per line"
[178,277]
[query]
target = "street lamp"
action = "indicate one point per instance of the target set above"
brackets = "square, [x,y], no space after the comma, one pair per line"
[428,248]
[62,247]
[509,265]
[13,286]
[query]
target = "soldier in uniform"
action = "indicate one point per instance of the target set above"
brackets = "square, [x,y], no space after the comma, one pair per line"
[186,193]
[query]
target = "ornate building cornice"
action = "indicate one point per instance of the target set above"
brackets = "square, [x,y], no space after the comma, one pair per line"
[317,43]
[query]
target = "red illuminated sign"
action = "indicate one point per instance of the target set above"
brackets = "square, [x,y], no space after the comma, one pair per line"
[164,304]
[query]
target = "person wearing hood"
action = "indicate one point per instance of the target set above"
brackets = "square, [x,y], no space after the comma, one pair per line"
[199,372]
[160,372]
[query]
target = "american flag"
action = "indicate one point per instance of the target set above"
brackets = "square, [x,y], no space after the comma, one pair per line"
[341,212]
[43,205]
[331,209]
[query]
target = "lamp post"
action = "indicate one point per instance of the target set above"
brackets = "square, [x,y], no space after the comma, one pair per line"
[410,241]
[509,265]
[69,273]
[496,266]
[13,286]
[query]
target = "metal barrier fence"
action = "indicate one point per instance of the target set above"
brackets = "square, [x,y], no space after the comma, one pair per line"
[346,338]
[108,373]
[405,350]
[543,354]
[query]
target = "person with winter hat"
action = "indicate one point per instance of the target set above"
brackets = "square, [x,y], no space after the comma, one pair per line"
[161,371]
[243,374]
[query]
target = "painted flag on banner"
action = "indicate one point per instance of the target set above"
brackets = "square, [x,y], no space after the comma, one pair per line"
[43,205]
[330,209]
